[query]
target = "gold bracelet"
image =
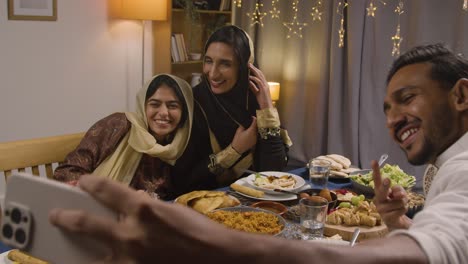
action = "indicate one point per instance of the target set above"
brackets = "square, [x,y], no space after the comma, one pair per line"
[214,166]
[267,132]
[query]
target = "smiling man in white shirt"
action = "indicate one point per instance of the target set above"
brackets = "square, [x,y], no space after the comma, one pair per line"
[427,115]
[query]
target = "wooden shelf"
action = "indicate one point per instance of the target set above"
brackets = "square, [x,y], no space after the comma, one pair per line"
[228,12]
[195,35]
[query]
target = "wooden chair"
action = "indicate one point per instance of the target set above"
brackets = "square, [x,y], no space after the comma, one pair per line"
[36,153]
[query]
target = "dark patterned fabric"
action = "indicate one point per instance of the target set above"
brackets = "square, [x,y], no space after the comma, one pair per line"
[100,141]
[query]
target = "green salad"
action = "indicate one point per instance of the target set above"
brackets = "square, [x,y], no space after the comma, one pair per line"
[396,175]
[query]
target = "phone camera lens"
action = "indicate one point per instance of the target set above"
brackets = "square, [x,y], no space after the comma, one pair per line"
[7,231]
[20,236]
[16,215]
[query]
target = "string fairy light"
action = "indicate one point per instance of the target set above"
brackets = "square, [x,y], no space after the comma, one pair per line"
[275,12]
[465,5]
[316,11]
[372,8]
[341,32]
[257,16]
[238,3]
[294,26]
[397,38]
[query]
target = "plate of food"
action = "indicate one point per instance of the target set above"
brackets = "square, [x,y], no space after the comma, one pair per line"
[363,181]
[245,189]
[249,219]
[267,181]
[206,201]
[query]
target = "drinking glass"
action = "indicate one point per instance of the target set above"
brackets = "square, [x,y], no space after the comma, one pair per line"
[313,214]
[318,173]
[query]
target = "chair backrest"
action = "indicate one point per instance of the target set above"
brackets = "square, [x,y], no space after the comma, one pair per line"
[37,155]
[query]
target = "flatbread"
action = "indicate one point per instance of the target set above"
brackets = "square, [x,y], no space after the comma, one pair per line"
[186,198]
[228,201]
[339,173]
[334,164]
[206,204]
[340,159]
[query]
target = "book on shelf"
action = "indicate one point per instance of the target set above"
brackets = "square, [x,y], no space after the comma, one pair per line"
[225,5]
[180,46]
[174,51]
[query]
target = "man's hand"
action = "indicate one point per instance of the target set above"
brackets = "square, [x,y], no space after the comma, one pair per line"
[391,202]
[150,230]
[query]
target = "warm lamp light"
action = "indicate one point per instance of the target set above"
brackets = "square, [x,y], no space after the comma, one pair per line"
[139,9]
[274,91]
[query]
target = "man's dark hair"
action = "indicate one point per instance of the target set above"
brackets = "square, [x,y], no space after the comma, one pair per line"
[446,67]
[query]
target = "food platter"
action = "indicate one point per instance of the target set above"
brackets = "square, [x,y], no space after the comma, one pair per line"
[299,181]
[281,220]
[346,232]
[267,196]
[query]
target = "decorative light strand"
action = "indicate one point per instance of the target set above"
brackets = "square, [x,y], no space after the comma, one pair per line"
[257,16]
[341,32]
[397,38]
[238,3]
[372,8]
[465,5]
[295,26]
[274,12]
[316,11]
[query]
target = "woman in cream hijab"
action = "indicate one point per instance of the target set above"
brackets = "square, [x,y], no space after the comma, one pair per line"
[138,148]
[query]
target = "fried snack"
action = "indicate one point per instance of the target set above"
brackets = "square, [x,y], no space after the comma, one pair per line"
[351,220]
[334,218]
[23,258]
[325,193]
[247,190]
[367,220]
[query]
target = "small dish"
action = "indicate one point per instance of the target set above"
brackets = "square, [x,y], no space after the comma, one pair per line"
[316,192]
[275,207]
[195,56]
[300,182]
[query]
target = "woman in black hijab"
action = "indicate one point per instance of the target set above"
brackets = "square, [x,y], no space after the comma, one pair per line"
[234,98]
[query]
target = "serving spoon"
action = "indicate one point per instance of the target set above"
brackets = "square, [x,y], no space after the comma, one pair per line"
[354,237]
[382,159]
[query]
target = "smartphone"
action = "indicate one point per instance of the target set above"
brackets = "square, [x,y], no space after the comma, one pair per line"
[25,220]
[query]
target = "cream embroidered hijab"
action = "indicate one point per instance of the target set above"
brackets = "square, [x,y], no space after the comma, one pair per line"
[122,164]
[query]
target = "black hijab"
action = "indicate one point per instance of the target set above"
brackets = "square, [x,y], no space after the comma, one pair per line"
[225,112]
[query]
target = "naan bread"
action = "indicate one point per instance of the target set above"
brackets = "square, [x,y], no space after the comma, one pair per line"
[206,204]
[205,201]
[345,162]
[334,164]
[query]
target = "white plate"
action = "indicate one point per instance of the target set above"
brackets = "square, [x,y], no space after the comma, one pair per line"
[268,197]
[299,181]
[330,241]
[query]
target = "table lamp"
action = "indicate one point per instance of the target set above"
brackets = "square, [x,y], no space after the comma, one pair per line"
[274,92]
[139,10]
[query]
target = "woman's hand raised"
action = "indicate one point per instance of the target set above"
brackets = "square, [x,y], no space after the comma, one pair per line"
[259,86]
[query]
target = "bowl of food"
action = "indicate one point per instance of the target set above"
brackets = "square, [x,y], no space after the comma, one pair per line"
[363,182]
[249,219]
[274,207]
[325,193]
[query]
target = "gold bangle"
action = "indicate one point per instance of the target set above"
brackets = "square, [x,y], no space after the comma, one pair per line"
[267,132]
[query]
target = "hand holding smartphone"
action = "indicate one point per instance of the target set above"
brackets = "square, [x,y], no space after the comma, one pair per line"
[25,221]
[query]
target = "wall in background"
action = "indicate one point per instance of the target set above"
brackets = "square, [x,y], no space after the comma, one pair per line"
[62,76]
